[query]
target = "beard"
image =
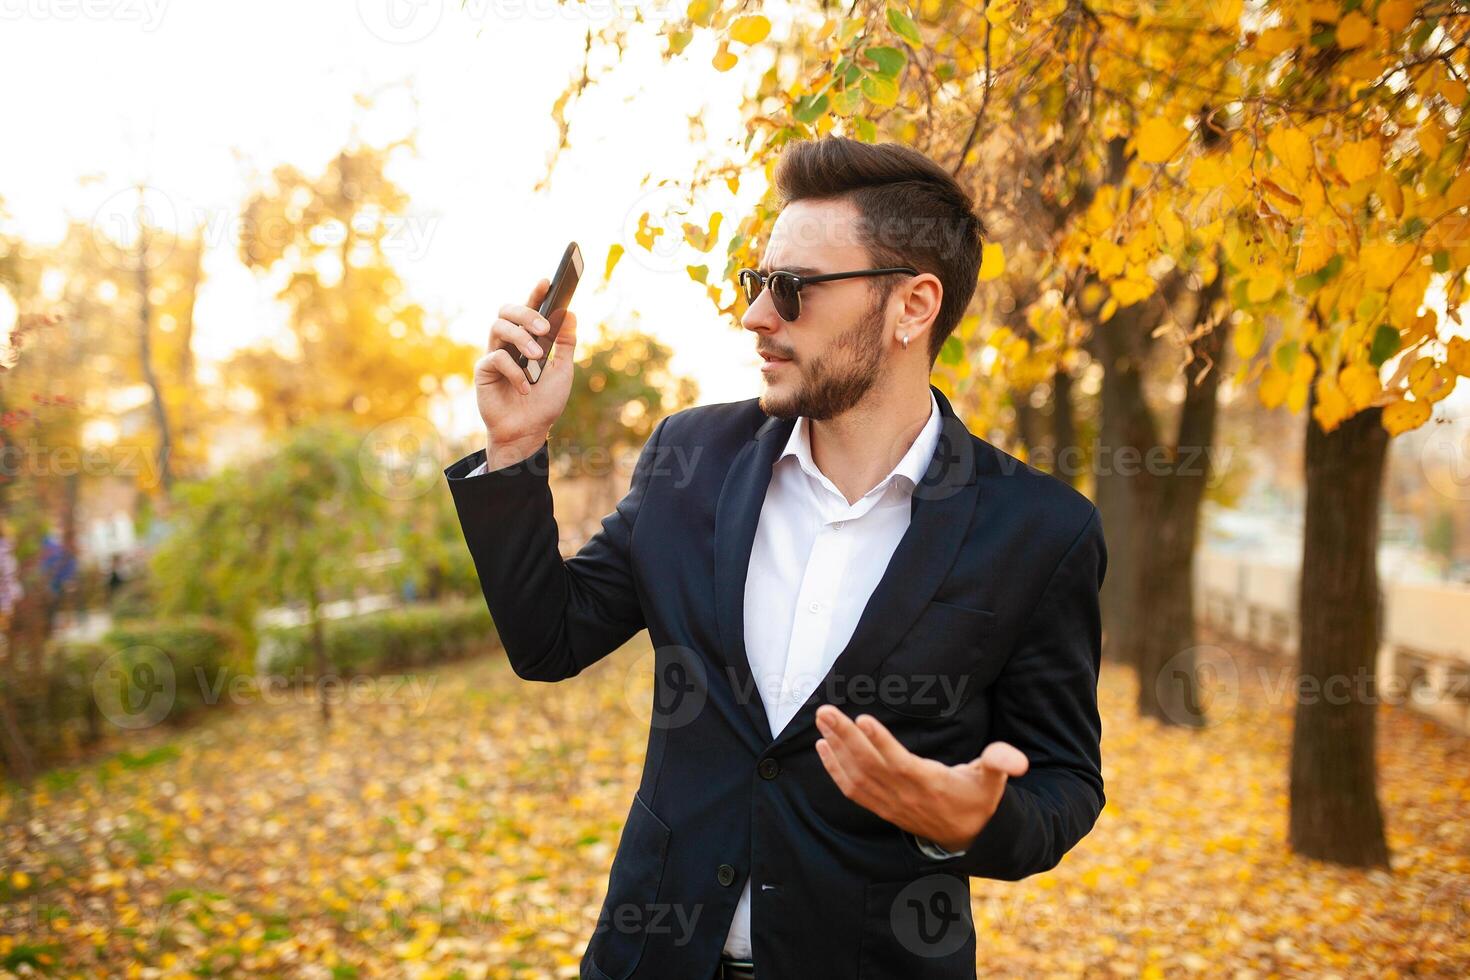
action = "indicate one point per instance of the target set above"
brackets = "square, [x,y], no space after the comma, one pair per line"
[838,378]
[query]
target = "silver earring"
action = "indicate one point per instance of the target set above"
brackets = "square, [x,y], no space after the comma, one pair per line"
[905,341]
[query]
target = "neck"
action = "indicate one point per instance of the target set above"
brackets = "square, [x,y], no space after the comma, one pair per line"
[862,445]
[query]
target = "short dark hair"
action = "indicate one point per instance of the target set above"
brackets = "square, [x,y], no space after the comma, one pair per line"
[913,212]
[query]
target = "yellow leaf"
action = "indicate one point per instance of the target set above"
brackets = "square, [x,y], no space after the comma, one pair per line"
[1458,194]
[613,254]
[992,261]
[1431,139]
[1396,14]
[1332,405]
[1263,285]
[750,30]
[1319,245]
[1391,194]
[1276,40]
[1360,160]
[1354,30]
[646,232]
[1130,291]
[1274,385]
[1384,262]
[1430,381]
[1458,359]
[723,59]
[1159,139]
[1293,149]
[1107,258]
[1359,382]
[1401,416]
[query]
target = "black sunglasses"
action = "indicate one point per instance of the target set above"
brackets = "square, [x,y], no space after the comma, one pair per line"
[786,286]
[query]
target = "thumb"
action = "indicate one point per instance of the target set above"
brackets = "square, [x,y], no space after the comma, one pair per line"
[1001,759]
[566,337]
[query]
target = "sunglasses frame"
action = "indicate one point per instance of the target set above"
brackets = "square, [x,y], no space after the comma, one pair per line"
[797,282]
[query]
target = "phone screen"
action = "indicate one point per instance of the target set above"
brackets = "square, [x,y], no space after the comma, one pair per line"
[554,309]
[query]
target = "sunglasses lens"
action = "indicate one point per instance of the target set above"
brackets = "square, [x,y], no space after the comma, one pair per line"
[784,295]
[750,282]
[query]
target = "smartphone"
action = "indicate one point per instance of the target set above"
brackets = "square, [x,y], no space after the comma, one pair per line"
[554,309]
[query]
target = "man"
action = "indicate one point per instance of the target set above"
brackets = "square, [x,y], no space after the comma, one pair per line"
[876,636]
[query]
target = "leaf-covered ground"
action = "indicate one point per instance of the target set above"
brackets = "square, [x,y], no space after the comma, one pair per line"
[466,828]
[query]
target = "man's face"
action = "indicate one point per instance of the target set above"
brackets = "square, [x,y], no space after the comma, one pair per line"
[825,361]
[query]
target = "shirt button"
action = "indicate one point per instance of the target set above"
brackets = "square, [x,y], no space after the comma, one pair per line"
[837,526]
[769,768]
[815,607]
[725,875]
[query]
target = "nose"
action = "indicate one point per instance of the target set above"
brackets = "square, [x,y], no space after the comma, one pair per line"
[761,316]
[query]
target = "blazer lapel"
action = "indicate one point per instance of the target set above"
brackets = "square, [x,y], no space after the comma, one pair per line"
[737,513]
[941,508]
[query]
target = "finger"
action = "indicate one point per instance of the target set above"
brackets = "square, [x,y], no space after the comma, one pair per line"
[538,292]
[525,316]
[834,767]
[890,748]
[499,364]
[1002,757]
[851,739]
[564,348]
[506,332]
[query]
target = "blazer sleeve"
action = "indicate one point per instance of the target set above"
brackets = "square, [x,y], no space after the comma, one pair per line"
[1044,702]
[555,617]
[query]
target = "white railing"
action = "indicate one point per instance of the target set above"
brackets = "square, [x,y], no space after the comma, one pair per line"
[1424,651]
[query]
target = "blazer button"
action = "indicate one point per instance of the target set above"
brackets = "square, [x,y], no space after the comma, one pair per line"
[769,768]
[726,875]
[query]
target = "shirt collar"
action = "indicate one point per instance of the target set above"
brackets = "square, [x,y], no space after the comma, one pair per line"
[912,467]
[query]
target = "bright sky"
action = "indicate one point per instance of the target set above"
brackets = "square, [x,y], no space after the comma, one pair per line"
[197,97]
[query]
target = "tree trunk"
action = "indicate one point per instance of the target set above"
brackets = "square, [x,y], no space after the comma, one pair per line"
[1172,492]
[1064,430]
[1335,814]
[1127,428]
[145,357]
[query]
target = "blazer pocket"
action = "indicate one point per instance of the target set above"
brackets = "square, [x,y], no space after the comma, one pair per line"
[631,905]
[919,928]
[936,667]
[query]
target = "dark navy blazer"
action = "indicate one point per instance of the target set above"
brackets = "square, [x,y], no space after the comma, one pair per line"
[985,626]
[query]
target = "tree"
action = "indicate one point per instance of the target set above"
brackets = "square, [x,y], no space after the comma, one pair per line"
[360,345]
[1311,153]
[287,528]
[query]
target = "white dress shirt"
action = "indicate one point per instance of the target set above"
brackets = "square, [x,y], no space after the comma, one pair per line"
[815,561]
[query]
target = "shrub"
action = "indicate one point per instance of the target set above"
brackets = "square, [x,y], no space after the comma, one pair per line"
[389,640]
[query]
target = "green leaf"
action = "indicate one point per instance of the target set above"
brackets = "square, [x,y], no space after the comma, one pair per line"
[809,109]
[880,90]
[867,132]
[1385,345]
[1441,261]
[890,61]
[953,351]
[1285,355]
[904,27]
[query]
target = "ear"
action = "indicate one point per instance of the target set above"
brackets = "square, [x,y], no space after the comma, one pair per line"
[919,299]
